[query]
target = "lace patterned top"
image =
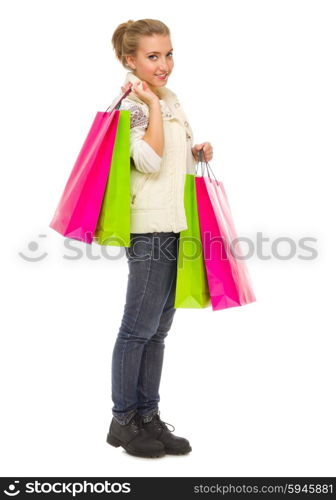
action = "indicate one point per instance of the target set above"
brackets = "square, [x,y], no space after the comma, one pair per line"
[138,116]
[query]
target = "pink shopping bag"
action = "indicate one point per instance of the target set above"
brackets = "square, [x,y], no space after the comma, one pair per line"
[78,210]
[226,280]
[79,207]
[224,219]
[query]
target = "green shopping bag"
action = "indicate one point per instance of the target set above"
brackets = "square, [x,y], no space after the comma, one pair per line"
[114,222]
[191,282]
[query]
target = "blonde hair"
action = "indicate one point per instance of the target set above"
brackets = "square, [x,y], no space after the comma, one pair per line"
[126,37]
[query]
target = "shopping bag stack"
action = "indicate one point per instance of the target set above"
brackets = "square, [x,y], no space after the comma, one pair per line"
[191,281]
[95,204]
[217,273]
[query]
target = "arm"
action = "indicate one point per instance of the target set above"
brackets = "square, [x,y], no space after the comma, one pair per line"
[146,159]
[154,133]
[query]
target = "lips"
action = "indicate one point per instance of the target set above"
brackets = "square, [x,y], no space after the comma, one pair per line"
[162,76]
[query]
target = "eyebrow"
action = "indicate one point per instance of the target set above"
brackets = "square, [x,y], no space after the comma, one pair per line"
[154,52]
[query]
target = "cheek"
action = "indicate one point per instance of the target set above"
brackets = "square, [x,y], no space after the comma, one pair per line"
[148,67]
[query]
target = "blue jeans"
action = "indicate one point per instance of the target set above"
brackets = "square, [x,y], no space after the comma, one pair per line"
[148,315]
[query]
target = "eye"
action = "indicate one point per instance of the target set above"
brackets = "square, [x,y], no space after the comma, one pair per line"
[154,55]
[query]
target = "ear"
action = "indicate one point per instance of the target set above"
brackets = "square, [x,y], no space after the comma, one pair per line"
[130,61]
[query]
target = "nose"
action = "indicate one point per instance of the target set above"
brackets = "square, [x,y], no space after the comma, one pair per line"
[164,68]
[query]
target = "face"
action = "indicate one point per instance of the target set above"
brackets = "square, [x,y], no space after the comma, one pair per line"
[154,57]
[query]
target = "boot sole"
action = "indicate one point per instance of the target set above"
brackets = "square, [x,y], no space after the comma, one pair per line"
[113,441]
[172,452]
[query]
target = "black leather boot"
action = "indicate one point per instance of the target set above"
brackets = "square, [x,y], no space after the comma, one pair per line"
[134,439]
[174,445]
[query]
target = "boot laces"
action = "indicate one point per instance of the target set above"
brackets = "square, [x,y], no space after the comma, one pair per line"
[160,423]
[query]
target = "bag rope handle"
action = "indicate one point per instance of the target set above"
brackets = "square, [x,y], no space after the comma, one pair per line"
[201,160]
[117,104]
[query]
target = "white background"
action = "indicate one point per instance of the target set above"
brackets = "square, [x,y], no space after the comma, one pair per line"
[251,387]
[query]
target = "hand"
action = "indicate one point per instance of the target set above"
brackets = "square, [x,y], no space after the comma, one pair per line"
[126,87]
[207,151]
[142,90]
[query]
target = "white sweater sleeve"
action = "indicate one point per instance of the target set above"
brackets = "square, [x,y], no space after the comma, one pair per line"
[145,159]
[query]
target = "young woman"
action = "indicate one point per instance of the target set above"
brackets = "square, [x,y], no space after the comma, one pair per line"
[161,155]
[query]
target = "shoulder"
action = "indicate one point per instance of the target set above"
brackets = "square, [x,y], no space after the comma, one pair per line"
[139,112]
